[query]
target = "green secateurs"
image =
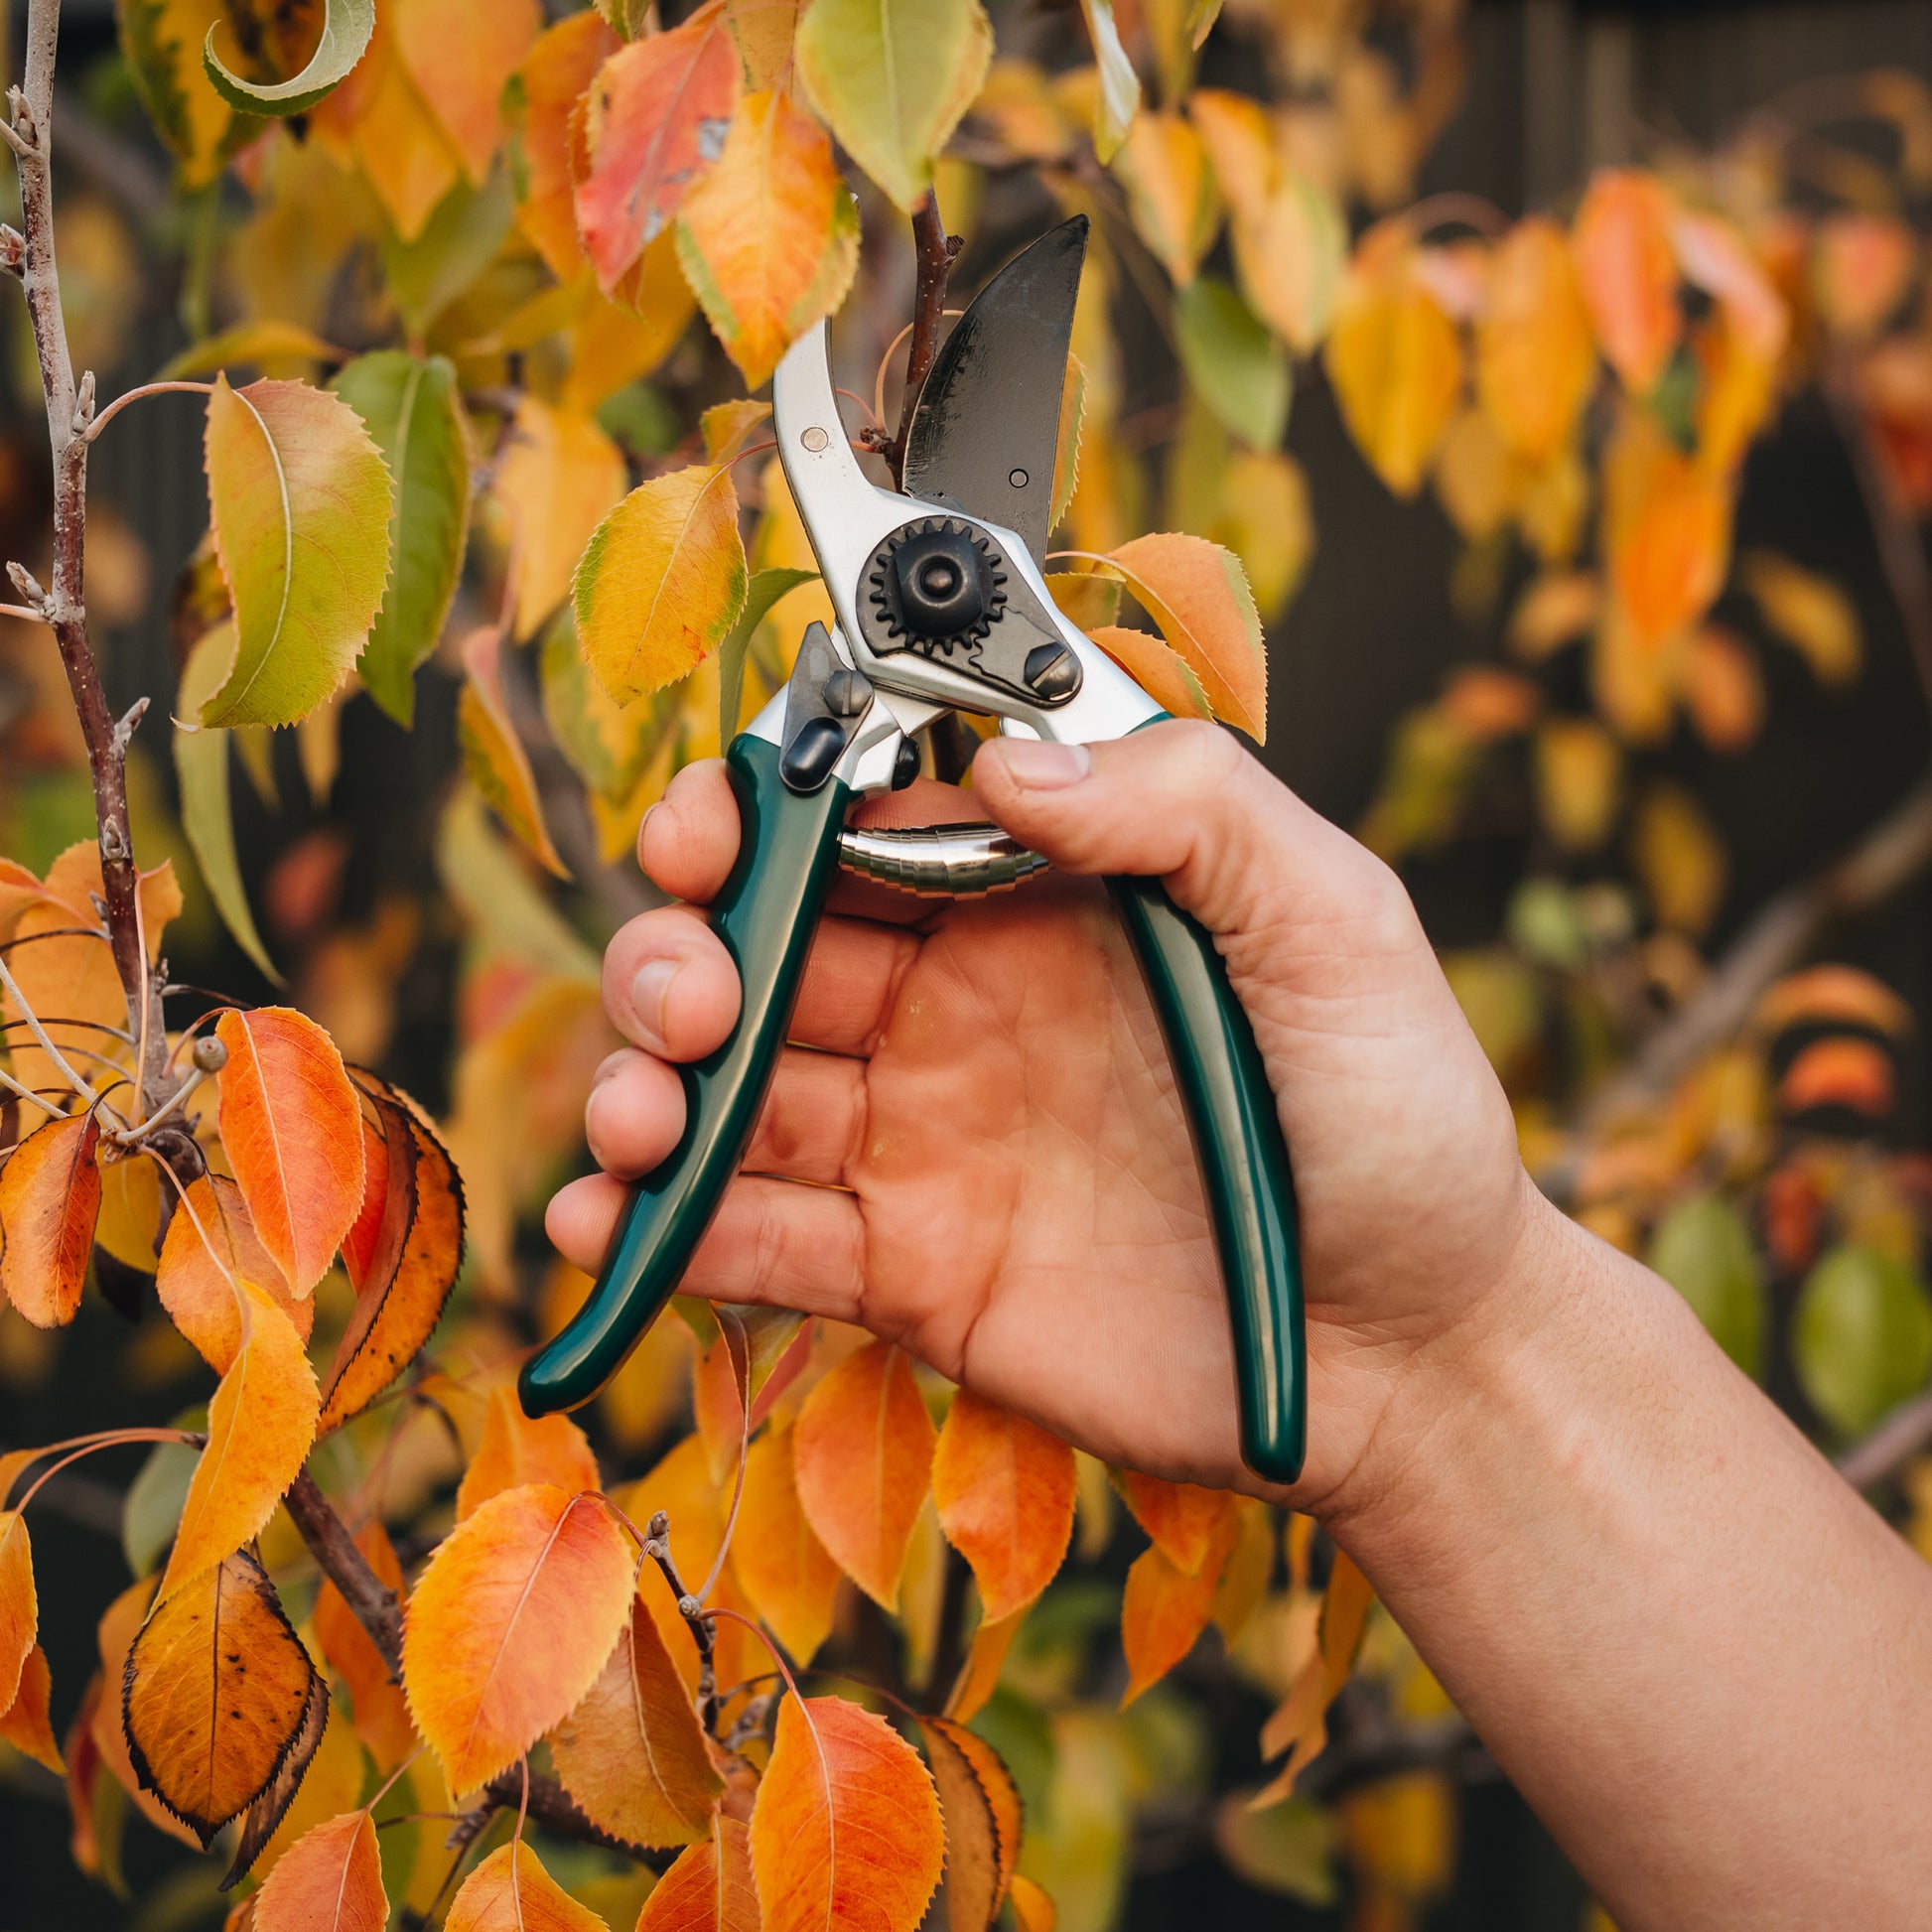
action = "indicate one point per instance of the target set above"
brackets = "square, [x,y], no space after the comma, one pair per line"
[941,604]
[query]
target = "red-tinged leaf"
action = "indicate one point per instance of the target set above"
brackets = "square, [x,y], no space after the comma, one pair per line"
[18,1605]
[381,1714]
[1034,1909]
[388,1196]
[1840,1072]
[293,1136]
[554,75]
[1198,593]
[511,1624]
[217,1690]
[633,1754]
[24,1726]
[1165,1608]
[1184,1519]
[50,1198]
[787,1572]
[979,1804]
[1822,996]
[845,1830]
[979,1676]
[514,1450]
[862,1453]
[1628,272]
[211,1245]
[84,1767]
[492,750]
[1301,1721]
[708,1889]
[511,1892]
[769,240]
[655,116]
[260,1426]
[328,1881]
[120,1624]
[1004,1488]
[461,56]
[1157,667]
[264,1818]
[398,1307]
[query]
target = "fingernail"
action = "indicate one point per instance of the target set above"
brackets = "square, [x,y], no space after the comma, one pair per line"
[1042,765]
[651,990]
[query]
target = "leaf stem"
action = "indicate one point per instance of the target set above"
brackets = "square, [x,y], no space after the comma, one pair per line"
[47,1046]
[121,401]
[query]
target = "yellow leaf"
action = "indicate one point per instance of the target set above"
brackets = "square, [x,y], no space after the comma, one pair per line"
[558,477]
[661,582]
[1300,1725]
[1170,192]
[25,1724]
[1809,611]
[1578,781]
[460,57]
[1117,93]
[492,750]
[769,238]
[1679,858]
[785,1570]
[161,42]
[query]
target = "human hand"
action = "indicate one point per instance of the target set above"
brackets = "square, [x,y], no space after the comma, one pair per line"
[996,1168]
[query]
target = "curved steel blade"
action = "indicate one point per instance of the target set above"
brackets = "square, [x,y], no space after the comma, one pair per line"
[987,427]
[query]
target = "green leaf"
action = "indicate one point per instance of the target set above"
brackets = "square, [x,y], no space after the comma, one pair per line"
[1236,367]
[764,590]
[1703,1247]
[202,766]
[458,242]
[1863,1338]
[1288,1848]
[151,1510]
[412,409]
[608,745]
[299,500]
[345,29]
[893,77]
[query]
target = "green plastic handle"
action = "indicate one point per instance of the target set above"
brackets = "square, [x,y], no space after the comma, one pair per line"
[1244,1168]
[766,915]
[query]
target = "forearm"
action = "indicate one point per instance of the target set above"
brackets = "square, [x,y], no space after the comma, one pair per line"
[1704,1661]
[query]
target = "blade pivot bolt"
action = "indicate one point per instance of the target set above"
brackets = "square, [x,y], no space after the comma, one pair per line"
[847,693]
[1052,671]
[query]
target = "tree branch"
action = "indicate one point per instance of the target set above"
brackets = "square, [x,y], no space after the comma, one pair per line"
[371,1601]
[935,251]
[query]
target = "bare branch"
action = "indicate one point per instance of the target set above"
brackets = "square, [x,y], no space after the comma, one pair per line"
[935,251]
[703,1627]
[371,1601]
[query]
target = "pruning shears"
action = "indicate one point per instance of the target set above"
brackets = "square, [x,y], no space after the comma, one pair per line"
[941,604]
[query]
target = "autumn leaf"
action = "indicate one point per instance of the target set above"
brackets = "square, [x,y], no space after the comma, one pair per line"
[558,477]
[661,581]
[1156,666]
[1004,1489]
[552,80]
[1170,192]
[1300,1725]
[412,409]
[893,78]
[19,1606]
[1186,1521]
[492,750]
[460,57]
[120,1623]
[787,1572]
[655,117]
[1809,611]
[511,1624]
[328,1881]
[980,1805]
[1840,1072]
[217,1686]
[1034,1909]
[411,1269]
[1117,97]
[1166,1606]
[514,1450]
[768,240]
[381,1714]
[1198,593]
[299,500]
[293,1136]
[50,1198]
[211,1244]
[862,1450]
[25,1724]
[345,29]
[1628,272]
[1535,359]
[846,1830]
[1579,773]
[708,1889]
[262,1822]
[979,1676]
[1833,995]
[632,1754]
[510,1892]
[161,44]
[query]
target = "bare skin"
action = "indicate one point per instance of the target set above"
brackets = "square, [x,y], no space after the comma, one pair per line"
[1703,1658]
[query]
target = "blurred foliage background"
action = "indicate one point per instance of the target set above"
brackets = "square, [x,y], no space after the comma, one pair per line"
[1627,870]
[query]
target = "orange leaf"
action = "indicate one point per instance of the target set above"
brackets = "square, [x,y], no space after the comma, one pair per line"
[1842,1073]
[24,1726]
[1861,264]
[655,115]
[211,1244]
[979,1676]
[50,1198]
[1248,1570]
[511,1625]
[260,1426]
[293,1136]
[846,1830]
[1722,689]
[1301,1718]
[381,1714]
[1156,666]
[1667,527]
[19,1603]
[1535,359]
[1034,1909]
[981,1807]
[1822,994]
[328,1881]
[1004,1489]
[411,1270]
[1628,272]
[1170,192]
[633,1754]
[1165,1608]
[511,1892]
[786,1570]
[861,1452]
[1198,593]
[555,73]
[217,1685]
[337,1782]
[492,750]
[516,1450]
[460,57]
[120,1624]
[1185,1520]
[708,1889]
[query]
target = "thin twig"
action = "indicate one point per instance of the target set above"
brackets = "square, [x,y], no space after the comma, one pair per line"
[935,251]
[47,1046]
[657,1547]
